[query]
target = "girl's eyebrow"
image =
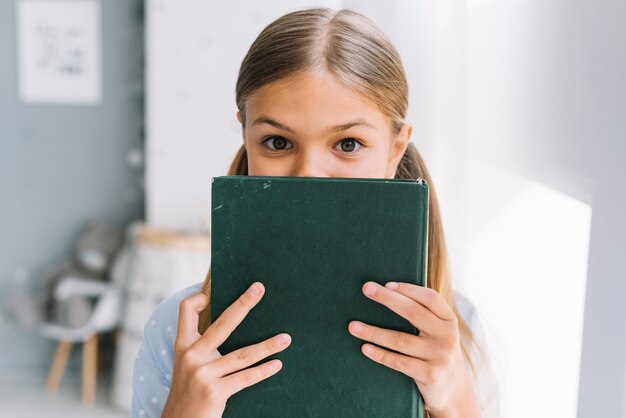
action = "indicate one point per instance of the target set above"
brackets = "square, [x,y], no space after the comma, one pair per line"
[264,119]
[345,126]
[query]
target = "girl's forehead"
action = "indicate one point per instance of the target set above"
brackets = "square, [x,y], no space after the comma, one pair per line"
[312,93]
[310,83]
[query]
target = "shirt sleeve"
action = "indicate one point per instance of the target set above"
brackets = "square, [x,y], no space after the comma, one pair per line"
[488,385]
[152,371]
[487,380]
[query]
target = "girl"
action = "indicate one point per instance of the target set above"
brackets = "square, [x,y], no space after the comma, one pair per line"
[322,94]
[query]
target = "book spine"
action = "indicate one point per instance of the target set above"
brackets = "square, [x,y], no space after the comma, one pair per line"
[418,410]
[422,181]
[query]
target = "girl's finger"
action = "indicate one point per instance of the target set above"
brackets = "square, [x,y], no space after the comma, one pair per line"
[425,296]
[247,356]
[410,366]
[417,314]
[408,344]
[226,323]
[233,383]
[188,318]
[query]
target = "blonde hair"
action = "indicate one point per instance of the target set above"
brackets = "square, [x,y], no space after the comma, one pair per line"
[349,46]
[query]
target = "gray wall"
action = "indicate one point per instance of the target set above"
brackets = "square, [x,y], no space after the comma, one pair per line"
[602,391]
[61,165]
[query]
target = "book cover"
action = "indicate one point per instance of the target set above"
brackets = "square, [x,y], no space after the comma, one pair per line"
[313,243]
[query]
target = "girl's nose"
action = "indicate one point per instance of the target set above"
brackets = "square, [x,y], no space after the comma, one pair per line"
[309,166]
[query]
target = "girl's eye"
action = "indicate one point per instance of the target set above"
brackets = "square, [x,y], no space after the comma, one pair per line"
[277,143]
[349,145]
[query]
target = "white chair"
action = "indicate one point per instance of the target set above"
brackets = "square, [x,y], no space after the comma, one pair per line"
[106,316]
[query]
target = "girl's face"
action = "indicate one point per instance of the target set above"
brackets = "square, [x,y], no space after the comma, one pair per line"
[310,125]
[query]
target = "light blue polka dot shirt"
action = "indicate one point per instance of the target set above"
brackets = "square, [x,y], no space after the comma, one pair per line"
[152,373]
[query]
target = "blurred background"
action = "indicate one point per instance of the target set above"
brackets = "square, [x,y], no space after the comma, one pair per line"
[114,116]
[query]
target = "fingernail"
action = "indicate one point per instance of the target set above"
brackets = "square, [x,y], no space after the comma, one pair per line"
[369,289]
[357,327]
[283,339]
[367,349]
[275,365]
[391,285]
[255,288]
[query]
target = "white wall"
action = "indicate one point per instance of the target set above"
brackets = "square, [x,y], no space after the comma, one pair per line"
[546,100]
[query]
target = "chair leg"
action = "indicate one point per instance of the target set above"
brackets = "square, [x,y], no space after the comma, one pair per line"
[90,368]
[57,369]
[117,336]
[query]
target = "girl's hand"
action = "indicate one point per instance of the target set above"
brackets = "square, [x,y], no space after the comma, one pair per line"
[203,379]
[434,359]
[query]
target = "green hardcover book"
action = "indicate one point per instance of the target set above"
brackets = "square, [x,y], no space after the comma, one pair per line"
[313,242]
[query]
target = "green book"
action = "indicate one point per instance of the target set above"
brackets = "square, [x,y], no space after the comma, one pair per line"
[313,242]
